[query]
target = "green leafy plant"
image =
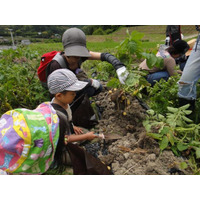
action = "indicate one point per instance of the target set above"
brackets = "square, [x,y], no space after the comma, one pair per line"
[135,83]
[152,60]
[130,46]
[163,95]
[20,86]
[175,131]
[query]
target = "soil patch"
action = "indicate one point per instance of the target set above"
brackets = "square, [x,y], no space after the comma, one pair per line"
[135,153]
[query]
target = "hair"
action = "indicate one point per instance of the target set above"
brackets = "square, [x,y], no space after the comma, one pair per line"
[53,95]
[178,47]
[172,51]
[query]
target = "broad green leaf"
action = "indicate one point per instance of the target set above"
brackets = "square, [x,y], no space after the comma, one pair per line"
[164,143]
[171,138]
[179,122]
[147,126]
[182,147]
[164,130]
[173,110]
[183,165]
[137,35]
[185,107]
[139,95]
[155,136]
[150,112]
[187,112]
[151,61]
[132,47]
[187,119]
[131,80]
[171,123]
[113,83]
[159,62]
[161,117]
[174,149]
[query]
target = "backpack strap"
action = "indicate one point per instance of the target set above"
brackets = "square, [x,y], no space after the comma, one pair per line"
[62,115]
[65,122]
[59,58]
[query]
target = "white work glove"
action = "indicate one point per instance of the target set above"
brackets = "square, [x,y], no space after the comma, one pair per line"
[96,84]
[167,41]
[122,74]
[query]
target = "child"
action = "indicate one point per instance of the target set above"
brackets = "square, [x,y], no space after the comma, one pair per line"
[63,84]
[30,140]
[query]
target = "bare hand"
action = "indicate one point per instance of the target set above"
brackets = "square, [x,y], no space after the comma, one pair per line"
[179,71]
[91,136]
[78,130]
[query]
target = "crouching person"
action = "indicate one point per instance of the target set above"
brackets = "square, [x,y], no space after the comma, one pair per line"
[31,140]
[63,85]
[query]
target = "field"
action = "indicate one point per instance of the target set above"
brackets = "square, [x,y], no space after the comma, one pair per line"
[153,35]
[157,136]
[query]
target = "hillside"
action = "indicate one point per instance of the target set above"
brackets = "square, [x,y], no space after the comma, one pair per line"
[152,33]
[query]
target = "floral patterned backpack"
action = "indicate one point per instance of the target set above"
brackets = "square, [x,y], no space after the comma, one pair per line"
[28,139]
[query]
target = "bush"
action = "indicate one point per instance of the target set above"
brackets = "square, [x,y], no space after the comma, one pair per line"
[99,31]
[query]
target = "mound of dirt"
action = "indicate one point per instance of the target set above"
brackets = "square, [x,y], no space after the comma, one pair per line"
[135,152]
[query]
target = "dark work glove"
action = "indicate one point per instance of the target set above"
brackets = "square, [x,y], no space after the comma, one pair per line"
[119,66]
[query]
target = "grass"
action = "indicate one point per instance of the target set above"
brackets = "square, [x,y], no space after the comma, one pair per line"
[106,46]
[45,47]
[153,35]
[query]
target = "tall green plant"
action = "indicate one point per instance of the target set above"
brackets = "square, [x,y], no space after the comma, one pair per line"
[131,46]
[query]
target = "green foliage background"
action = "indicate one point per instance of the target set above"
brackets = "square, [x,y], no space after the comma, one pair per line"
[20,86]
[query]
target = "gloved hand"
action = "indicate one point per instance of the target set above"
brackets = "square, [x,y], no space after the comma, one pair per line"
[122,74]
[167,41]
[96,84]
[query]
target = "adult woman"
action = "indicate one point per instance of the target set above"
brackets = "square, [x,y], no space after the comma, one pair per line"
[176,50]
[75,53]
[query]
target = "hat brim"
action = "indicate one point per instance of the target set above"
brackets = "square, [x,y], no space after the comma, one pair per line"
[188,53]
[80,51]
[78,85]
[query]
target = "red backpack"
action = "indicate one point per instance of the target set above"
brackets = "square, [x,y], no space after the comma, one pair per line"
[45,60]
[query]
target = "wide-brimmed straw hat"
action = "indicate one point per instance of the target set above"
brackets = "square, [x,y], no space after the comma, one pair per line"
[191,44]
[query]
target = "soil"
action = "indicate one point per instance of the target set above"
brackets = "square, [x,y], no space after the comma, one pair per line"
[135,153]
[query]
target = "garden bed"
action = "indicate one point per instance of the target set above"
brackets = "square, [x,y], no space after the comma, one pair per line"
[135,152]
